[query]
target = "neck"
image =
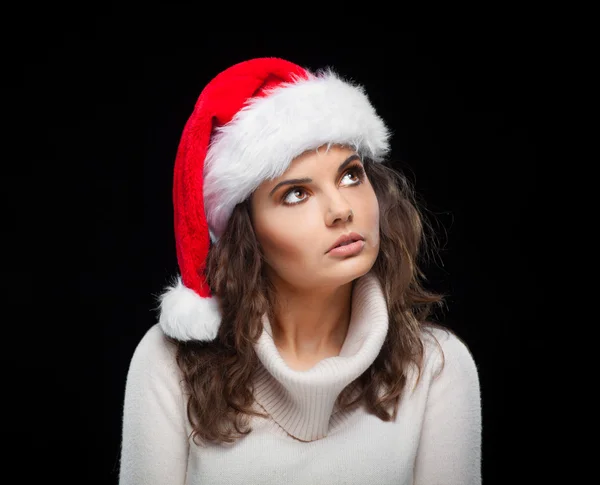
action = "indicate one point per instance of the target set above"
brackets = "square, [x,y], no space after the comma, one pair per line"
[311,325]
[303,402]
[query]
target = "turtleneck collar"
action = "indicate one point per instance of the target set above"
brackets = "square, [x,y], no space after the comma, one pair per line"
[302,402]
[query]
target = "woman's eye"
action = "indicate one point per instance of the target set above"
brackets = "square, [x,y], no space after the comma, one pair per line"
[355,174]
[289,200]
[293,195]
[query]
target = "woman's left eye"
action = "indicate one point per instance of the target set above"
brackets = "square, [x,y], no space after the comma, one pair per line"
[356,174]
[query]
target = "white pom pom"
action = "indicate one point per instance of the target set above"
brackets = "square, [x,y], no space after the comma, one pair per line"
[185,315]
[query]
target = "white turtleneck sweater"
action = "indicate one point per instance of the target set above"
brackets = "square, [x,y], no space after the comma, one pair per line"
[435,439]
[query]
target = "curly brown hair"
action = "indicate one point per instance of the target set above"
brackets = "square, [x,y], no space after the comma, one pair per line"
[219,374]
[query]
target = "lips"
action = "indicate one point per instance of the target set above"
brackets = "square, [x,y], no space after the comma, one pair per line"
[345,239]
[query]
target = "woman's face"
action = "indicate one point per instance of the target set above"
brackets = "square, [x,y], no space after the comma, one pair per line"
[297,223]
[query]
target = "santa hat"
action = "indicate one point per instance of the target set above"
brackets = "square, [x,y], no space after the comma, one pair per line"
[247,126]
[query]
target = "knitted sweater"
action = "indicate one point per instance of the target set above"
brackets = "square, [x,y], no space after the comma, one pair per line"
[435,438]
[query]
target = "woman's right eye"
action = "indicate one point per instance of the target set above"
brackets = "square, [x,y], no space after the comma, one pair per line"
[293,191]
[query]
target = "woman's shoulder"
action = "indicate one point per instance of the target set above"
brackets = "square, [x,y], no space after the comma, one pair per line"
[154,355]
[446,353]
[154,343]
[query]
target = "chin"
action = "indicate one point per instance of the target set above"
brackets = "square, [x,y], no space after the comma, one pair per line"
[352,268]
[334,274]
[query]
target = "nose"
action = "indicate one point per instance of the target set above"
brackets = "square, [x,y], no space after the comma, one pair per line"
[339,210]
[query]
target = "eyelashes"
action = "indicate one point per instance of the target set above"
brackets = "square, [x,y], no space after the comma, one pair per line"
[357,169]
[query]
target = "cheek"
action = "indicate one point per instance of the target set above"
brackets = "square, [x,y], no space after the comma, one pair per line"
[371,222]
[283,239]
[371,225]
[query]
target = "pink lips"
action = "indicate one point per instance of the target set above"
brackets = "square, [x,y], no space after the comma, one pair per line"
[347,244]
[349,249]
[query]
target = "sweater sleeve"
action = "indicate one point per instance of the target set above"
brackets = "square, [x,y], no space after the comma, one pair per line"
[154,447]
[449,452]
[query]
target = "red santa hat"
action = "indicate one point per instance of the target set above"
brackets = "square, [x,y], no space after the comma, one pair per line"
[247,126]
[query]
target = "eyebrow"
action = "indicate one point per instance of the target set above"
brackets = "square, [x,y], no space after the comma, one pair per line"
[340,169]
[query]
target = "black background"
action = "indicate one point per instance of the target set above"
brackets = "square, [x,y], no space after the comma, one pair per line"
[99,105]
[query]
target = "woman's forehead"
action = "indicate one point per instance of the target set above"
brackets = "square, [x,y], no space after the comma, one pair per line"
[327,157]
[313,164]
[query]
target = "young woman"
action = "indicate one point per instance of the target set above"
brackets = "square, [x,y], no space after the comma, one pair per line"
[295,347]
